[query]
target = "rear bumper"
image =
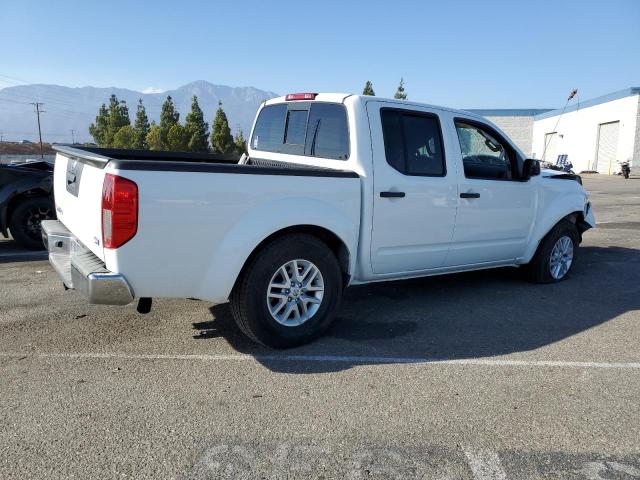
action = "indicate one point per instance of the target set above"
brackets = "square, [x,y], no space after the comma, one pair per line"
[80,269]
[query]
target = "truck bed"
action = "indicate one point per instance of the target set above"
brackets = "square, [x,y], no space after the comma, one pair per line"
[167,161]
[199,216]
[101,156]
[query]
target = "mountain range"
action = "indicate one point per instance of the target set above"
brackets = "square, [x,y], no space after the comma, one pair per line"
[66,108]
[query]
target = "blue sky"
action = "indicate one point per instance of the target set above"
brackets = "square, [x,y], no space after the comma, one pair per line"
[500,54]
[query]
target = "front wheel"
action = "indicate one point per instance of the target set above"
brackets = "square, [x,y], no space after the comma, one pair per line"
[556,254]
[289,292]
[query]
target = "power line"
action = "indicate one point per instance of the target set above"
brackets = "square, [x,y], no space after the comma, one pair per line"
[48,99]
[13,101]
[57,110]
[15,79]
[45,132]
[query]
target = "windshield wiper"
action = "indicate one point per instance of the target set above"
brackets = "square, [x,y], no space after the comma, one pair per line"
[315,136]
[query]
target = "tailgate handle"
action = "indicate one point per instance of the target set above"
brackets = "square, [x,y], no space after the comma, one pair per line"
[470,195]
[392,194]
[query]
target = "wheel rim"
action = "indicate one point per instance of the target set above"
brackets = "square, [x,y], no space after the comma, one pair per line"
[32,221]
[295,292]
[561,257]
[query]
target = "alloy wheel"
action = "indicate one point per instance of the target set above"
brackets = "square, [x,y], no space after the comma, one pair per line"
[561,257]
[295,292]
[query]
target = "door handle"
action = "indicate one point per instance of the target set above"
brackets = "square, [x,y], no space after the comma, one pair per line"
[392,194]
[470,195]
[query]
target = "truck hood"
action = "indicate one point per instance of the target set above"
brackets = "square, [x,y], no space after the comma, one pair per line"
[559,175]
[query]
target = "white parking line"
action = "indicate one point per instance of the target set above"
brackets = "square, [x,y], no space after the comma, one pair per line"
[327,359]
[485,464]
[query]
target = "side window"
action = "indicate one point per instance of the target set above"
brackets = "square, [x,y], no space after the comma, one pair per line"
[483,156]
[268,133]
[413,142]
[312,129]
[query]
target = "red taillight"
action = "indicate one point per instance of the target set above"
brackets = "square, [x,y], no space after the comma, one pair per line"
[119,211]
[301,96]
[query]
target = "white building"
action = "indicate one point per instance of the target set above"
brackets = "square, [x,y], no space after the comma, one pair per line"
[595,135]
[516,123]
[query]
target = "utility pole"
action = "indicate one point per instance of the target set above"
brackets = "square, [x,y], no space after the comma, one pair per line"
[38,112]
[73,138]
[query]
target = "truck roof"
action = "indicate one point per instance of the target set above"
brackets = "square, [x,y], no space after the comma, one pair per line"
[341,97]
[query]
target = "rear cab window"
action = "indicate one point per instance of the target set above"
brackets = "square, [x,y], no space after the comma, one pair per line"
[314,129]
[413,142]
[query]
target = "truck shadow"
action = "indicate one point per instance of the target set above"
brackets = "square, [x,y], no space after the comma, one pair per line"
[464,316]
[11,252]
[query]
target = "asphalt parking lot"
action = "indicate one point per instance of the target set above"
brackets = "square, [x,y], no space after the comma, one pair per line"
[478,375]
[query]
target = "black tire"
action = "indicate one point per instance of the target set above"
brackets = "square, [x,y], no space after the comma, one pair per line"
[25,221]
[538,270]
[249,296]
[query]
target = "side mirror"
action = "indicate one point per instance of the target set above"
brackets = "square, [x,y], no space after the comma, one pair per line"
[530,168]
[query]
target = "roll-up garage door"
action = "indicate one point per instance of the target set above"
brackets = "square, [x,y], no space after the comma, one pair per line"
[551,147]
[607,147]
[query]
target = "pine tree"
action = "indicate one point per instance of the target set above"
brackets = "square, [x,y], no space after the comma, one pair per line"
[221,139]
[197,129]
[368,89]
[178,138]
[240,143]
[400,95]
[98,130]
[153,138]
[141,128]
[125,137]
[118,118]
[169,117]
[109,121]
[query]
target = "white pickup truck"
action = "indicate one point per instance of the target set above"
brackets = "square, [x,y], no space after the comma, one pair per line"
[336,190]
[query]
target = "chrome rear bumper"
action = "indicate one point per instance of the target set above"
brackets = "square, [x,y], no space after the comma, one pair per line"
[81,270]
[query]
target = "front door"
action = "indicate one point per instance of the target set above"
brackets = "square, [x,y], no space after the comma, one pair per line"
[495,208]
[414,201]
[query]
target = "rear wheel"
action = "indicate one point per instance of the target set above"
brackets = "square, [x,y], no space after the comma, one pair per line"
[289,293]
[556,254]
[26,218]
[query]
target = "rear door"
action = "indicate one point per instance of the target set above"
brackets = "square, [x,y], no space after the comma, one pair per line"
[495,208]
[415,189]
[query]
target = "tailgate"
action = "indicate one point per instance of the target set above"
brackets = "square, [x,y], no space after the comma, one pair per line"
[78,195]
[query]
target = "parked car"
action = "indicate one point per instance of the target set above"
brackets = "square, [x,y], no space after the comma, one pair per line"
[336,190]
[25,200]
